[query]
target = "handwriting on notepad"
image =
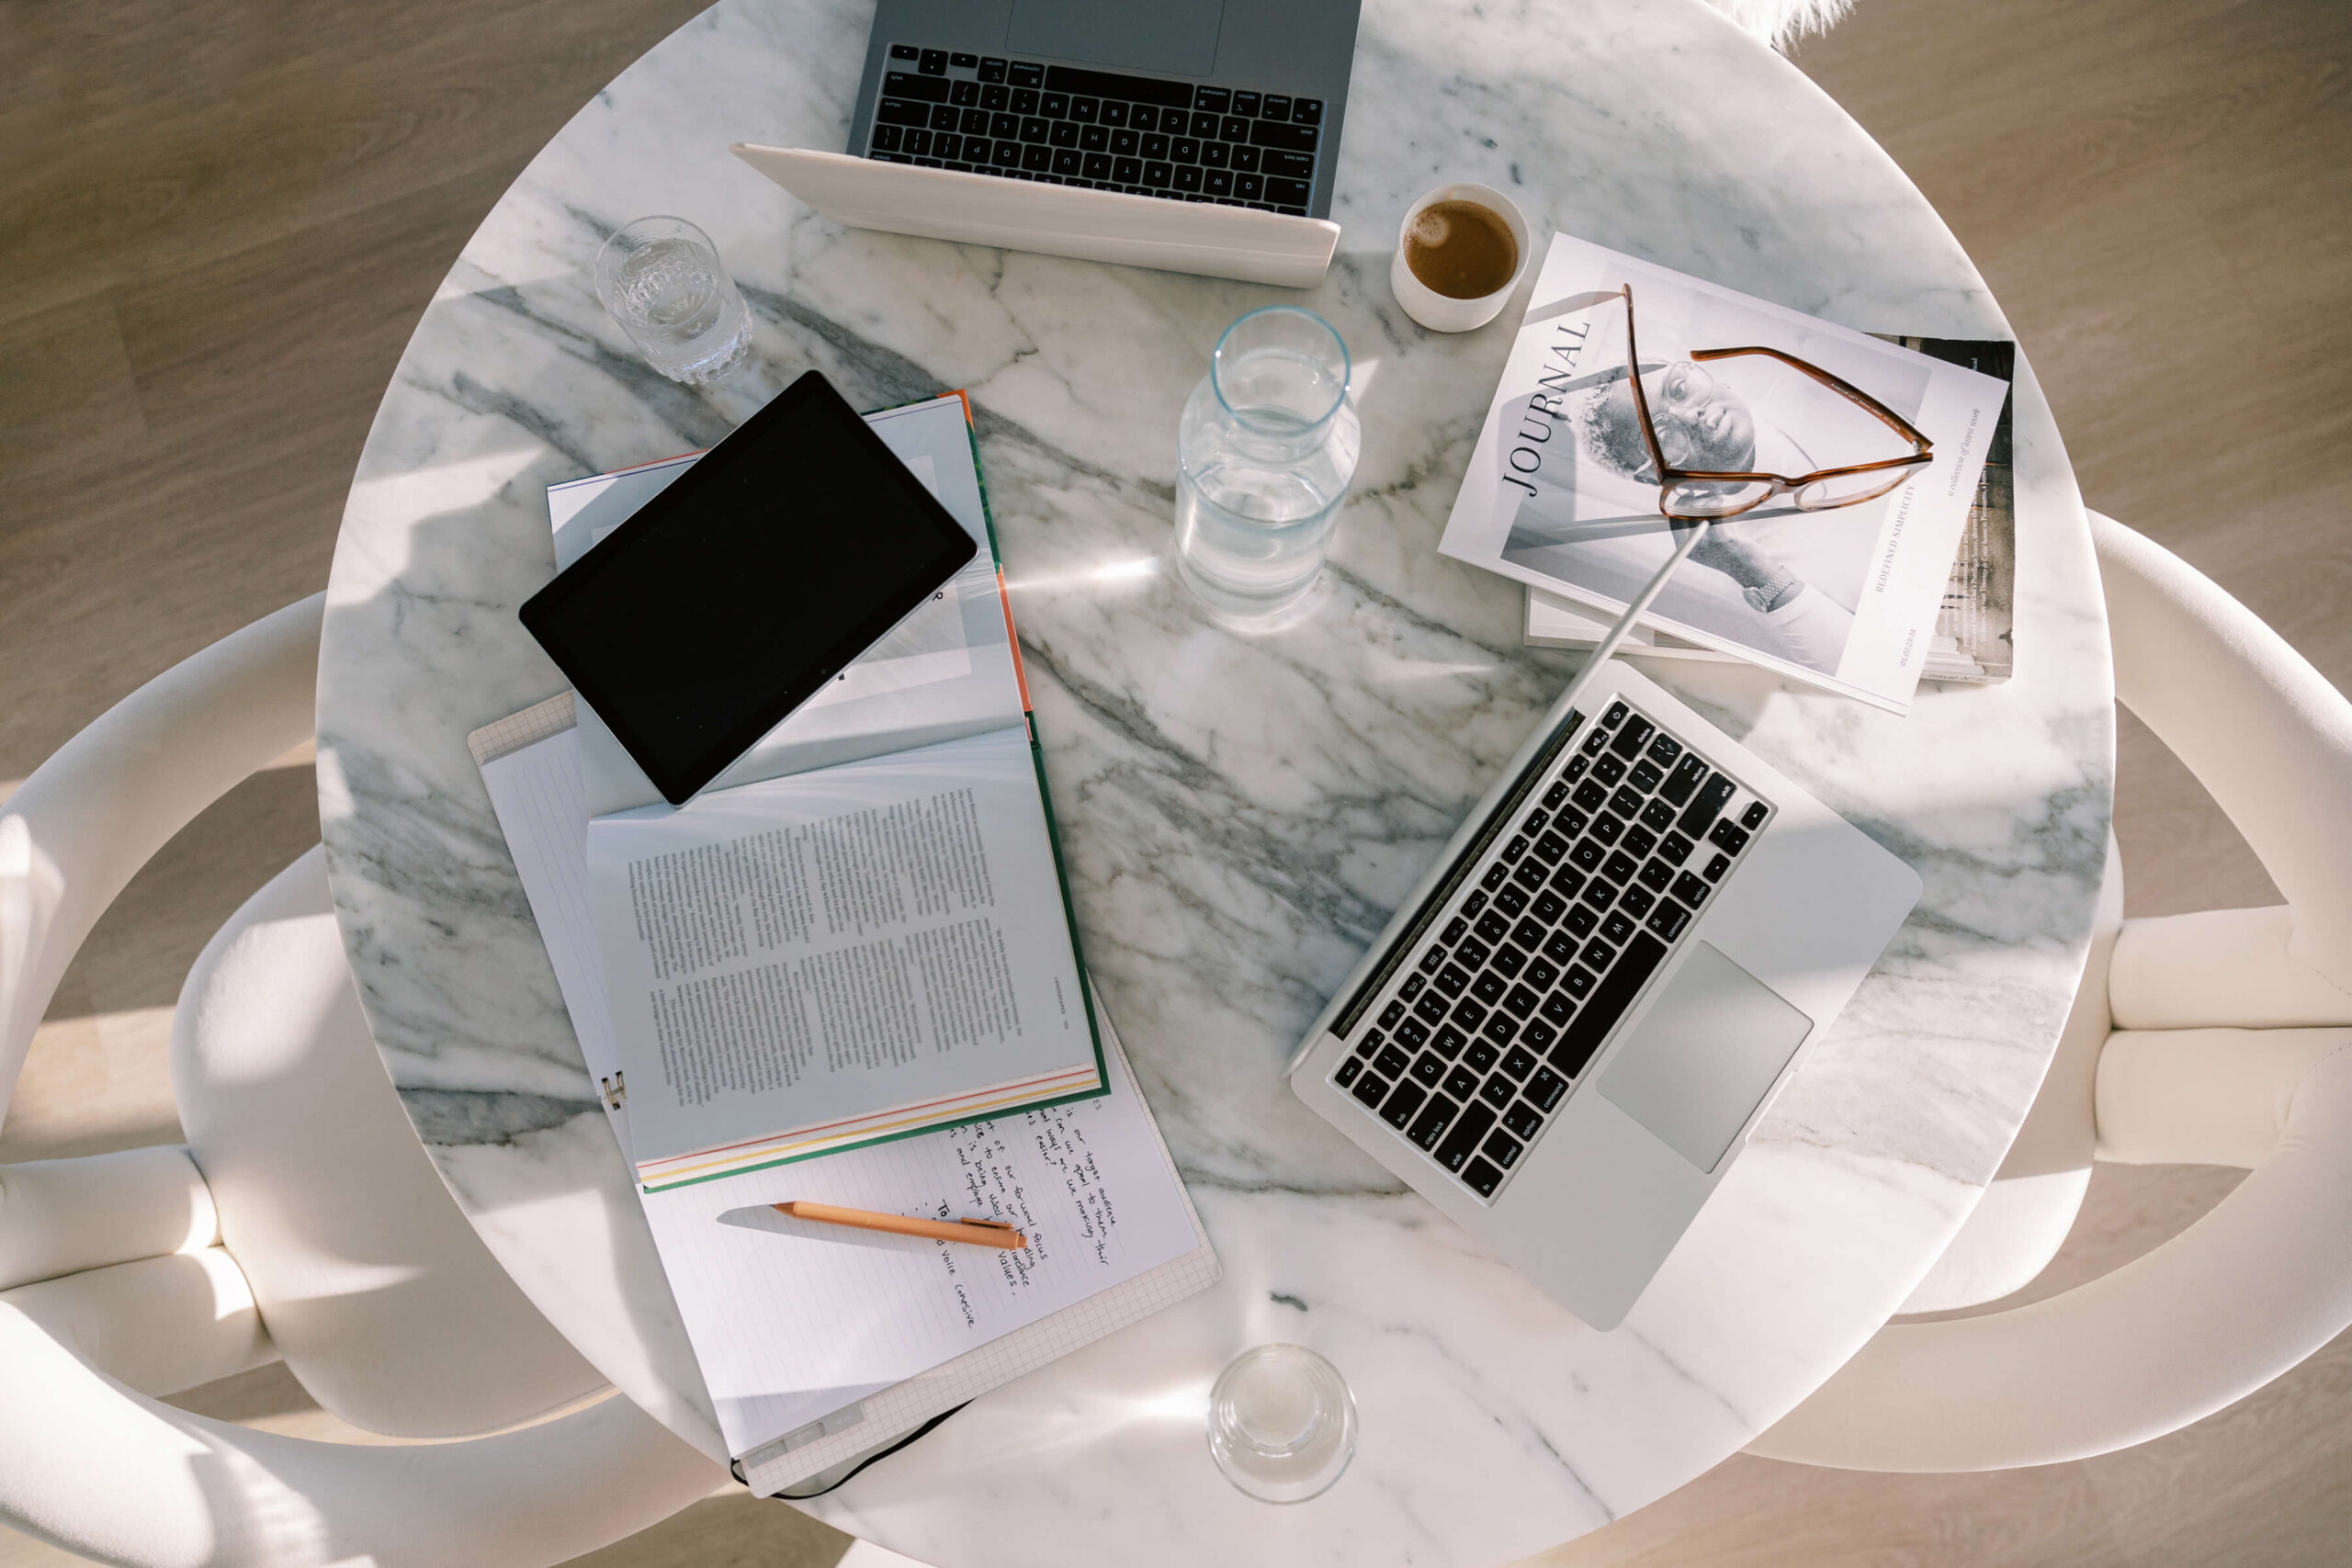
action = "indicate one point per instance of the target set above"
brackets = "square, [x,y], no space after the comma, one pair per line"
[1065,1204]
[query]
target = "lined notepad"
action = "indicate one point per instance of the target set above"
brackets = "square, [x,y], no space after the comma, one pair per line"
[818,1344]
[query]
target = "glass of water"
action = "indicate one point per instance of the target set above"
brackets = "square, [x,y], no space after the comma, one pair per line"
[1281,1423]
[1267,446]
[661,279]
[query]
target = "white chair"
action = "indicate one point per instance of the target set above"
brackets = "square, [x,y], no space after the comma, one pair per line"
[2222,1038]
[301,1221]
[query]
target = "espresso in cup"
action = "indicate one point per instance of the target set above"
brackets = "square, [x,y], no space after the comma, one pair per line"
[1461,249]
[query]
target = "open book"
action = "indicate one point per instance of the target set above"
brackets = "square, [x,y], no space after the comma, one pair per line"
[860,930]
[1559,493]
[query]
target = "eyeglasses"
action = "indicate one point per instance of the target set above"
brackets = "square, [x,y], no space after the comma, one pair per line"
[1692,495]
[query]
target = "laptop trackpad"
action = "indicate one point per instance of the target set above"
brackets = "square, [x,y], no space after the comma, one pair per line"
[1177,38]
[1704,1057]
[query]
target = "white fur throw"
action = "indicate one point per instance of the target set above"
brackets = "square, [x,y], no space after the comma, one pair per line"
[1781,22]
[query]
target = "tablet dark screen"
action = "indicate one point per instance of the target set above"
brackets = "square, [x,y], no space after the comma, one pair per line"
[732,596]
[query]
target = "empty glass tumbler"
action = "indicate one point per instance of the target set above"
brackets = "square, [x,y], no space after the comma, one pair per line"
[1267,446]
[661,279]
[1281,1423]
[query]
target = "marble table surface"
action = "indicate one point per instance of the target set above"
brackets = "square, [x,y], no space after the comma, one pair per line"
[1241,812]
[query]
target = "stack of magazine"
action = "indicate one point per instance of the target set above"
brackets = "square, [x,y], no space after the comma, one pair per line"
[1865,600]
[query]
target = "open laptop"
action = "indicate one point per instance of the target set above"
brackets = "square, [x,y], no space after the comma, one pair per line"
[1565,1035]
[1237,102]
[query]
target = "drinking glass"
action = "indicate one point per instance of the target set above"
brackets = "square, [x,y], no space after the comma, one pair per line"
[661,279]
[1265,451]
[1281,1423]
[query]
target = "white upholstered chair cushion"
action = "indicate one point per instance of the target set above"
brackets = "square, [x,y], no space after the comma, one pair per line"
[2231,1043]
[126,1275]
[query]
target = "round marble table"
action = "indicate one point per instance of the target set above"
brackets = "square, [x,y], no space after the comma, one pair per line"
[1241,813]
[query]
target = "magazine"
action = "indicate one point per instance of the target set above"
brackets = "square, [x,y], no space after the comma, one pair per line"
[1559,493]
[1974,642]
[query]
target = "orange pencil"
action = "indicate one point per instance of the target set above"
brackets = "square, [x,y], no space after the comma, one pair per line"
[979,1232]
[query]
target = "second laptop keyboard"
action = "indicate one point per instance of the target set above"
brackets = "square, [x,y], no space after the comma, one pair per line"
[1526,959]
[1063,125]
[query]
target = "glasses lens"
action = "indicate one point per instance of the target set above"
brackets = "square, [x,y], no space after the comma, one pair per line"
[1844,489]
[1712,498]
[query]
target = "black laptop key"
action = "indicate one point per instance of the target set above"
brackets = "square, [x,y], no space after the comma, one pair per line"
[1284,191]
[1244,102]
[1546,1087]
[901,111]
[1587,856]
[1217,100]
[1645,776]
[1373,1040]
[1657,815]
[1492,926]
[1591,795]
[1469,1127]
[1657,875]
[1753,818]
[1025,73]
[1683,780]
[1347,1073]
[1675,848]
[1561,946]
[1005,126]
[1635,900]
[1065,133]
[933,62]
[1479,1056]
[1591,746]
[1054,106]
[1431,1123]
[1498,1091]
[1390,1014]
[1538,1035]
[1392,1060]
[1037,158]
[1597,956]
[1216,182]
[1597,894]
[1452,980]
[1637,842]
[1716,868]
[1550,906]
[1551,847]
[974,122]
[1523,1120]
[1066,161]
[1233,128]
[1025,100]
[1543,975]
[1034,128]
[1414,1033]
[1520,1001]
[1432,961]
[1490,986]
[1567,879]
[1579,981]
[1557,1009]
[1306,111]
[1372,1088]
[1503,1148]
[887,138]
[1706,806]
[1619,868]
[992,68]
[1617,928]
[1607,1004]
[1202,125]
[1456,929]
[1615,715]
[1402,1102]
[1460,1082]
[905,51]
[1531,874]
[1608,771]
[1275,106]
[1471,954]
[1246,160]
[1511,900]
[1495,876]
[1519,1062]
[1633,737]
[1184,150]
[1449,1040]
[1690,890]
[1469,1014]
[1481,1177]
[1729,837]
[1579,923]
[1626,802]
[1509,962]
[1607,829]
[1431,1008]
[1667,921]
[1429,1066]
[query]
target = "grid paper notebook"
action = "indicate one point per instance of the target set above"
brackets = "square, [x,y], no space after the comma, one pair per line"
[709,1239]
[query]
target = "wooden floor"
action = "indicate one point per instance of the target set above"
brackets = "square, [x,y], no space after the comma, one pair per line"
[219,223]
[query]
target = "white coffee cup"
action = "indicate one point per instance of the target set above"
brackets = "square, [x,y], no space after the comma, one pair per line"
[1443,312]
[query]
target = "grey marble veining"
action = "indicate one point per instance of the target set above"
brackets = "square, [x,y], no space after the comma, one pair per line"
[1240,813]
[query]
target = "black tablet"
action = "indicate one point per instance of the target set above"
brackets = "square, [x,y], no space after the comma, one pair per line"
[730,598]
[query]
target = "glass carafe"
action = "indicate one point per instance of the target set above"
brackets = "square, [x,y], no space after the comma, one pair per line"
[1267,446]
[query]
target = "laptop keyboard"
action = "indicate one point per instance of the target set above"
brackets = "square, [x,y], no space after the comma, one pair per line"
[1063,125]
[1585,883]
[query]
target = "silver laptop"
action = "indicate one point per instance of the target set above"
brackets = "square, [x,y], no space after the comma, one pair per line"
[1564,1037]
[1237,102]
